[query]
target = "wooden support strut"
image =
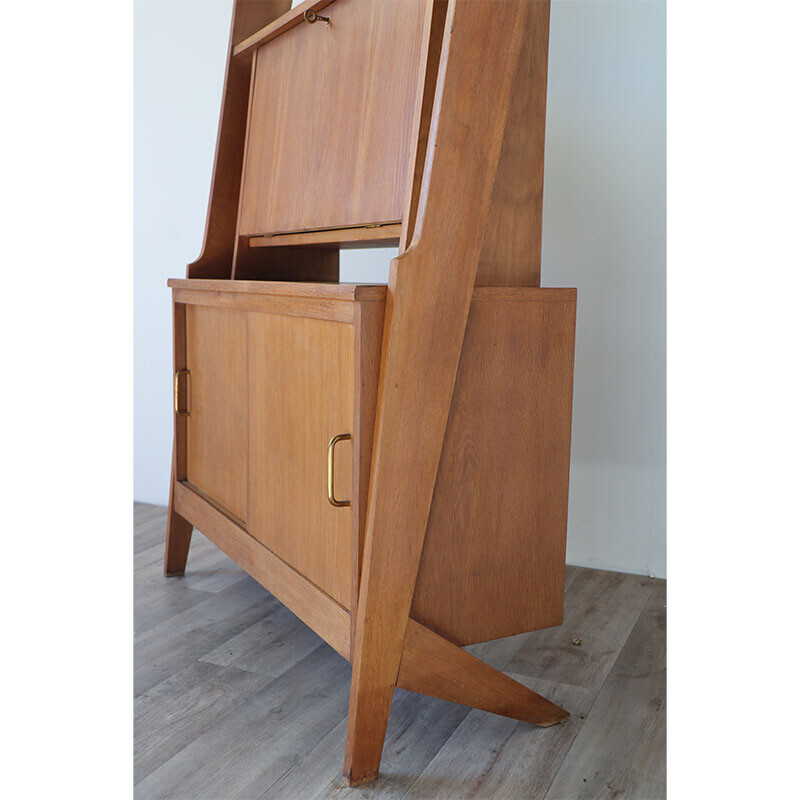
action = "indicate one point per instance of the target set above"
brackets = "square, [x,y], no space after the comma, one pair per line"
[431,665]
[428,301]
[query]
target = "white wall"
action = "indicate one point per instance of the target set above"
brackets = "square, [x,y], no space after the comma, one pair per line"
[604,232]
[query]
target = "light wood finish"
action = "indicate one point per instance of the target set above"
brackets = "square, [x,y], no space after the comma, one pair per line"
[358,166]
[301,376]
[320,612]
[434,666]
[326,309]
[290,290]
[241,703]
[426,315]
[322,301]
[216,439]
[432,37]
[179,537]
[387,235]
[179,531]
[512,247]
[369,333]
[500,501]
[216,257]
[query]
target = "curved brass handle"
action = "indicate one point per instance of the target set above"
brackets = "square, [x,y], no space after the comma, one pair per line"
[331,446]
[177,388]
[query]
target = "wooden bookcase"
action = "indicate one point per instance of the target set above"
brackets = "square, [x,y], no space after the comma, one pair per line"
[391,462]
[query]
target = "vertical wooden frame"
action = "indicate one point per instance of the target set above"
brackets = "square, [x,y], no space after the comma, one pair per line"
[179,530]
[430,290]
[368,330]
[216,257]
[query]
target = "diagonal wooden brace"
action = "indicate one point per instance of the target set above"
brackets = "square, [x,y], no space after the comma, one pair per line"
[431,665]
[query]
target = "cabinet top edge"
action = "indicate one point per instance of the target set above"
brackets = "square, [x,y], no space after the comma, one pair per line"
[363,291]
[324,291]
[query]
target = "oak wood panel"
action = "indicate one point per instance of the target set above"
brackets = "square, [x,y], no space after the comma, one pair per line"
[512,247]
[320,612]
[493,560]
[356,81]
[430,290]
[301,393]
[216,256]
[216,439]
[387,235]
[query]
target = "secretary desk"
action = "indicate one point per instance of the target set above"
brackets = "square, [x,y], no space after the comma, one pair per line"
[390,462]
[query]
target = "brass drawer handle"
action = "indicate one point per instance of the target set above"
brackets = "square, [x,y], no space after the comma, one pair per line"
[177,391]
[331,446]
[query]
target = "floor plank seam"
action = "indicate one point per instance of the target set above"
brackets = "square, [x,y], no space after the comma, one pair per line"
[264,794]
[201,733]
[189,720]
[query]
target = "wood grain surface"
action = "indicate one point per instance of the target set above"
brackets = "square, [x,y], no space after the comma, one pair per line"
[301,387]
[493,560]
[430,290]
[216,439]
[330,148]
[216,256]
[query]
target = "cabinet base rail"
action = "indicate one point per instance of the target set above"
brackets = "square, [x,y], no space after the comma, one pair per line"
[430,664]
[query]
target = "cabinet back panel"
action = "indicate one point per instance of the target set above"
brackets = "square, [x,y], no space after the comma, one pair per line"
[216,438]
[329,145]
[493,560]
[301,390]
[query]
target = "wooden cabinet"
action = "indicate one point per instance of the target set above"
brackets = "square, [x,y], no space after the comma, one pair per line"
[271,378]
[278,370]
[390,462]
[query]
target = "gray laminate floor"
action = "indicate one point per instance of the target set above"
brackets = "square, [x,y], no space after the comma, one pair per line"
[236,698]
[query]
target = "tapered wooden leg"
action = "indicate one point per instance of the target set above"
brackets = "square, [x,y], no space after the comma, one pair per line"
[179,535]
[428,300]
[431,665]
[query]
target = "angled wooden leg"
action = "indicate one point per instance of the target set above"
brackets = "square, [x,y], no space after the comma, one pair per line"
[431,665]
[428,301]
[179,535]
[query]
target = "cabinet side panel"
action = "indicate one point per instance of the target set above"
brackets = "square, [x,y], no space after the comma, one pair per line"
[512,247]
[493,560]
[216,453]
